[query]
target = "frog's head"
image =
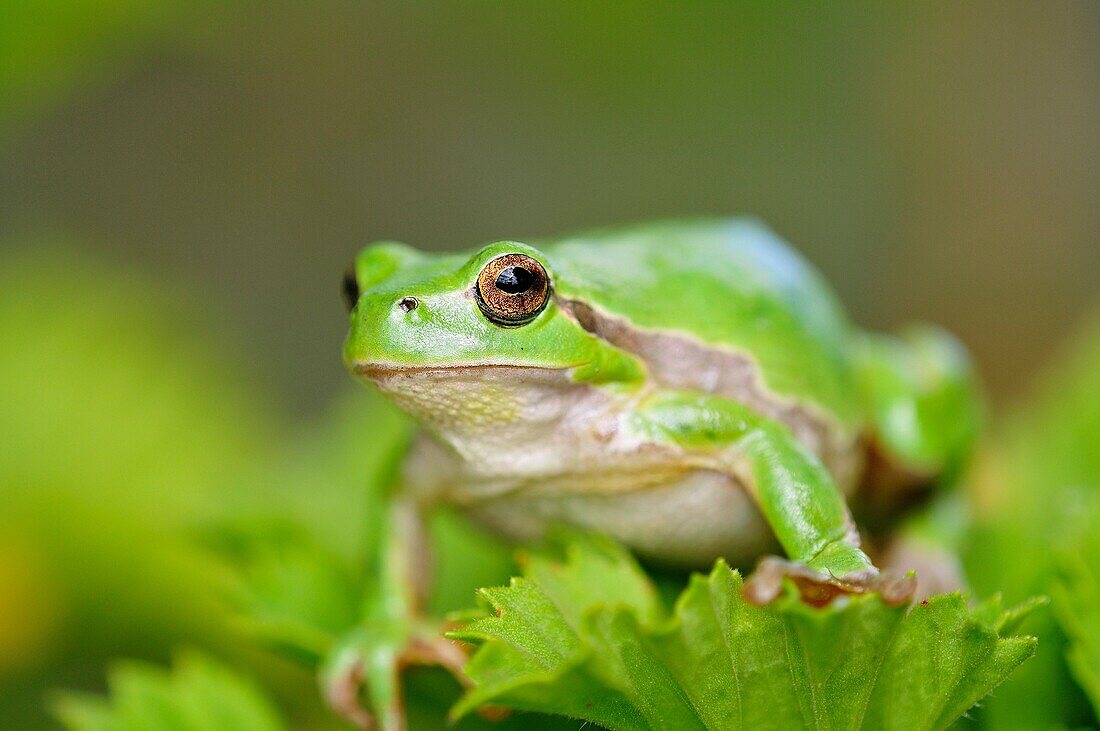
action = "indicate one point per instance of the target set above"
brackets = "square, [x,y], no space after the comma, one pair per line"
[475,339]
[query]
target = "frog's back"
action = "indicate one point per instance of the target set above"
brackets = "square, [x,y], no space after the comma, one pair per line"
[721,287]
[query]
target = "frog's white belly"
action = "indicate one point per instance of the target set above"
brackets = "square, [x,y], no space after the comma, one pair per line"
[523,449]
[687,523]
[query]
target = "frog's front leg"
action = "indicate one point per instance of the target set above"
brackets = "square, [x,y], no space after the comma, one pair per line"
[794,491]
[361,679]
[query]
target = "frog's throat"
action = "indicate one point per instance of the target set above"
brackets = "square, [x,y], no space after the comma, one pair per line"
[470,407]
[379,371]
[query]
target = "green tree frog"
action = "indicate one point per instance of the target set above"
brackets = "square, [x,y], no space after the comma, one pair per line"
[691,388]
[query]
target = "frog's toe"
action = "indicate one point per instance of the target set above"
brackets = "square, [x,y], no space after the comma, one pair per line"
[362,683]
[343,687]
[820,588]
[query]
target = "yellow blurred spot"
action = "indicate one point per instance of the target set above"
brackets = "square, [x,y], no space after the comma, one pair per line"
[29,609]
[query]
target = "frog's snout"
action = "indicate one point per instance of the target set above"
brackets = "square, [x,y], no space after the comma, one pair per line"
[384,328]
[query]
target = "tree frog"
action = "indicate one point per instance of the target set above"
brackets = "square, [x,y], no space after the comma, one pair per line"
[691,388]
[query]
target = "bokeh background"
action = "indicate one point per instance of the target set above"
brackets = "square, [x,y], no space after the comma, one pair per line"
[937,160]
[182,185]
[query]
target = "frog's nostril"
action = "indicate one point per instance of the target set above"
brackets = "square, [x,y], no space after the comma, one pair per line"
[408,304]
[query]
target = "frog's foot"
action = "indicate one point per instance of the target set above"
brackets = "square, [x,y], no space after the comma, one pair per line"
[362,681]
[819,587]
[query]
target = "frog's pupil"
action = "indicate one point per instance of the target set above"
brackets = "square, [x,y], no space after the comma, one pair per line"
[515,280]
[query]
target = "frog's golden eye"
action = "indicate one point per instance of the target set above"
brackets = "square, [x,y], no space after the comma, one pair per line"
[350,288]
[512,289]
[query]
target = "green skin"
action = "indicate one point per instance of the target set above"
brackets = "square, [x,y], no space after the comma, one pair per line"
[728,288]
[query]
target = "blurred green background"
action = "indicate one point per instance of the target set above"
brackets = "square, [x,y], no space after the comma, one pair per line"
[183,183]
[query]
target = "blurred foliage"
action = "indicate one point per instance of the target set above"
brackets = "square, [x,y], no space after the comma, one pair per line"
[1077,595]
[1035,510]
[199,695]
[120,429]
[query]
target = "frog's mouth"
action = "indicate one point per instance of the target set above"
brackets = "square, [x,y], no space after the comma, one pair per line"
[374,371]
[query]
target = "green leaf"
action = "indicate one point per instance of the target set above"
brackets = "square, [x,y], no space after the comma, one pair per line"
[200,694]
[1078,605]
[291,593]
[586,637]
[1077,595]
